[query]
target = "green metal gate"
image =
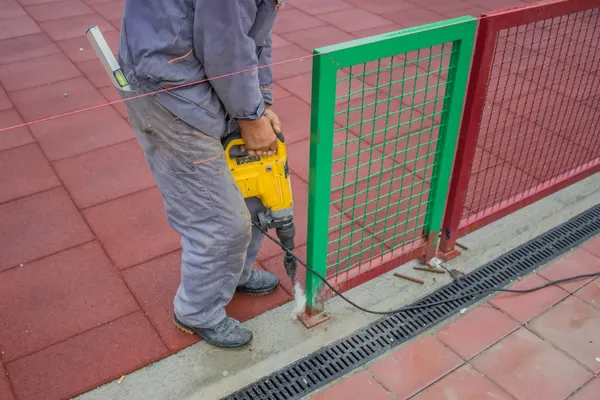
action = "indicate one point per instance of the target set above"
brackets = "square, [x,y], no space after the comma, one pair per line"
[385,116]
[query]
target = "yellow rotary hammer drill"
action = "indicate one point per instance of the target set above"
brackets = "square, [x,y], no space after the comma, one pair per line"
[267,178]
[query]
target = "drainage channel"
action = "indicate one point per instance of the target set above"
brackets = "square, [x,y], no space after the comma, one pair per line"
[346,354]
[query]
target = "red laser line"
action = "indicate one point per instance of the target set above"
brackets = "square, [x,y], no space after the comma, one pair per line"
[151,93]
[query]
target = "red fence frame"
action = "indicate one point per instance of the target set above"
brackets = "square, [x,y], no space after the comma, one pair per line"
[490,24]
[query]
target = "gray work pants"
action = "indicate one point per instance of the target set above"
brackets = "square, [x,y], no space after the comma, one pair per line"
[203,204]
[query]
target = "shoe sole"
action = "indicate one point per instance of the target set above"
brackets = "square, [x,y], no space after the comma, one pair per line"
[190,332]
[258,294]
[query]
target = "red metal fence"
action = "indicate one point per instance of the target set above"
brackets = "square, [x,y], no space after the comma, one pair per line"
[531,124]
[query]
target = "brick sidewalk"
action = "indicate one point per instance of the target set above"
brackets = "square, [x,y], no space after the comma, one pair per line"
[540,345]
[88,264]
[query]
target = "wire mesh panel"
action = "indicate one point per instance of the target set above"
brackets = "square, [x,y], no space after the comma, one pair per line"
[385,117]
[536,124]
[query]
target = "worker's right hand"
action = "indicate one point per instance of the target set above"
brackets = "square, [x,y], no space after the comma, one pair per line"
[259,137]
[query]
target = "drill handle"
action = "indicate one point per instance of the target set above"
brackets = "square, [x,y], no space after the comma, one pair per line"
[232,142]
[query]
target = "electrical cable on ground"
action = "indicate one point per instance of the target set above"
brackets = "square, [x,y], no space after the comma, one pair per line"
[421,306]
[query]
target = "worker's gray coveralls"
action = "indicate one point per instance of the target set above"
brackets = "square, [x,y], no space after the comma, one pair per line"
[168,43]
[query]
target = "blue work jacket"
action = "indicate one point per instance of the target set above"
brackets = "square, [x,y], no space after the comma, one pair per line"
[170,43]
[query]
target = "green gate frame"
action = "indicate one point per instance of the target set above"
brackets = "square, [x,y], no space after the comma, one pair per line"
[326,63]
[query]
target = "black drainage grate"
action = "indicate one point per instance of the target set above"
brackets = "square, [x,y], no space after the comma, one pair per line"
[343,356]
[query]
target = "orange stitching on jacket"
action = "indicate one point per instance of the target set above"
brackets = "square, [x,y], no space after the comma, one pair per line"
[182,57]
[207,160]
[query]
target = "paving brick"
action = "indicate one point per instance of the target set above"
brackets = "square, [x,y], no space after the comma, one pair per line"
[523,307]
[377,30]
[414,367]
[112,10]
[111,95]
[67,28]
[6,392]
[11,9]
[18,26]
[50,100]
[530,368]
[354,19]
[155,283]
[495,4]
[593,246]
[278,41]
[310,39]
[381,6]
[410,17]
[75,134]
[573,326]
[466,384]
[40,71]
[589,391]
[39,225]
[62,309]
[58,10]
[295,20]
[105,174]
[133,229]
[25,171]
[5,103]
[116,23]
[316,7]
[358,386]
[25,3]
[475,11]
[88,360]
[13,137]
[279,92]
[79,49]
[95,72]
[26,47]
[579,262]
[476,331]
[591,293]
[294,115]
[291,61]
[444,6]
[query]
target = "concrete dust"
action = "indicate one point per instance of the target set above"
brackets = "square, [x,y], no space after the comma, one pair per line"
[299,300]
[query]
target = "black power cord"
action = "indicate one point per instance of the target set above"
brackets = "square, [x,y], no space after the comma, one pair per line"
[418,307]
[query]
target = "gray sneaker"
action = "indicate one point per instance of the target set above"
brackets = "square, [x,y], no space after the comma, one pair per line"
[260,283]
[228,334]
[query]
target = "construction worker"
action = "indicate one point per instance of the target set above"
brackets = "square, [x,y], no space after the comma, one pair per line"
[170,43]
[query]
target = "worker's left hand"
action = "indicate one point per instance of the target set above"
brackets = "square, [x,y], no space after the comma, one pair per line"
[273,118]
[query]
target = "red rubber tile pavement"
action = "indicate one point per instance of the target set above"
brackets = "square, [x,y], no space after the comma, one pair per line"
[589,391]
[354,19]
[90,177]
[415,366]
[530,368]
[111,95]
[11,9]
[39,225]
[381,6]
[593,247]
[69,293]
[82,132]
[295,20]
[36,72]
[25,171]
[465,384]
[133,229]
[6,392]
[155,283]
[68,28]
[79,49]
[87,360]
[291,61]
[318,37]
[26,47]
[316,7]
[579,262]
[572,326]
[414,16]
[476,331]
[591,293]
[19,26]
[5,102]
[95,72]
[110,10]
[295,118]
[523,307]
[57,10]
[56,98]
[358,386]
[14,137]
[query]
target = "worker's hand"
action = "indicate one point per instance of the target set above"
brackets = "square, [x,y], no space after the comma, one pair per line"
[259,137]
[273,118]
